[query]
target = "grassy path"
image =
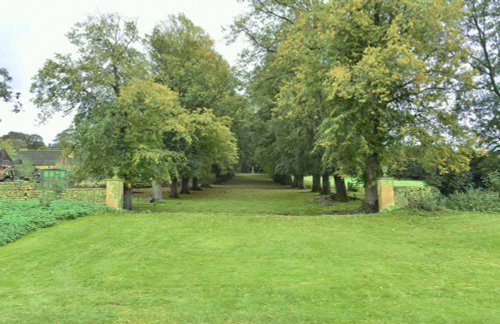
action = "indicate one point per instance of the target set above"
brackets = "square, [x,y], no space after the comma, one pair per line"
[230,254]
[247,195]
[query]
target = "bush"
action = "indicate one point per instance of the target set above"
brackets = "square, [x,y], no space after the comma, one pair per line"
[474,200]
[450,182]
[427,198]
[493,181]
[18,218]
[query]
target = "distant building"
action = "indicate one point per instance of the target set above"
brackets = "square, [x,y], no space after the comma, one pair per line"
[45,159]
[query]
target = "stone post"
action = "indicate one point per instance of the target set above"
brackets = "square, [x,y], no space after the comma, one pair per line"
[114,193]
[157,190]
[386,199]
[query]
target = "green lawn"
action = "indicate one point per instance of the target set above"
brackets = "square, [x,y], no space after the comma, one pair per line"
[230,254]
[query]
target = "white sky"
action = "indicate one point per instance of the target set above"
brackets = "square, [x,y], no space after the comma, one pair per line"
[32,31]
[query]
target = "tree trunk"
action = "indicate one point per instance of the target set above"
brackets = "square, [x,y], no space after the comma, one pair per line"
[157,191]
[340,189]
[185,186]
[300,181]
[127,197]
[370,182]
[205,183]
[325,188]
[173,188]
[316,186]
[295,182]
[196,185]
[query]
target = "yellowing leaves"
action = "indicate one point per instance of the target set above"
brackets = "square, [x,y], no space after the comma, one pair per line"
[340,77]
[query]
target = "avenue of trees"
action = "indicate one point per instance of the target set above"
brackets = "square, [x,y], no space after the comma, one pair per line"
[340,88]
[142,115]
[366,88]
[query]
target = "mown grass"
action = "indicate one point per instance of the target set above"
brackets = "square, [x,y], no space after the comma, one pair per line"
[221,263]
[248,195]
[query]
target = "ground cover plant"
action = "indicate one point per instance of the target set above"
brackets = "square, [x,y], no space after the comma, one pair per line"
[190,260]
[18,218]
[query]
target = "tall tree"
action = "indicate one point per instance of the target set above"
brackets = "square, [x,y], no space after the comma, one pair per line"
[127,138]
[265,25]
[481,105]
[25,141]
[390,78]
[183,58]
[63,140]
[90,83]
[105,60]
[302,96]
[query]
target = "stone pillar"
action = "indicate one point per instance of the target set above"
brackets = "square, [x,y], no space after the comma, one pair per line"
[114,193]
[386,199]
[157,190]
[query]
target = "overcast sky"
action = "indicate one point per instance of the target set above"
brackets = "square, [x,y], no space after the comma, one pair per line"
[32,31]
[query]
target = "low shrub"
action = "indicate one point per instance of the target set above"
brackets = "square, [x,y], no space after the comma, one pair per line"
[426,198]
[474,200]
[493,181]
[18,218]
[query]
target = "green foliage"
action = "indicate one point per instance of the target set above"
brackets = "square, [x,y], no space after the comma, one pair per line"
[489,170]
[450,182]
[129,123]
[106,59]
[25,141]
[493,181]
[129,135]
[408,170]
[479,105]
[18,218]
[184,59]
[389,77]
[213,143]
[340,83]
[63,140]
[480,174]
[474,200]
[265,25]
[6,92]
[426,198]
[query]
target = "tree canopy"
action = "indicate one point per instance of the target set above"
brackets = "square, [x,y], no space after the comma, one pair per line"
[106,59]
[142,124]
[480,105]
[127,137]
[339,87]
[346,81]
[6,92]
[24,141]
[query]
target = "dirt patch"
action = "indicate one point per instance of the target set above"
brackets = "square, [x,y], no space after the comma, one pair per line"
[329,200]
